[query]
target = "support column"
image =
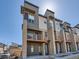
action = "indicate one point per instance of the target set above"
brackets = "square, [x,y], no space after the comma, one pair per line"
[64,43]
[24,38]
[50,30]
[73,45]
[43,49]
[52,47]
[51,37]
[43,45]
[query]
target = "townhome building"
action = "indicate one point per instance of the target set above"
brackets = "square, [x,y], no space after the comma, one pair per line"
[45,34]
[76,35]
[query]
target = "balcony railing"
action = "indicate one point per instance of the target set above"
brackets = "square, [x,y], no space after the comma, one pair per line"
[34,37]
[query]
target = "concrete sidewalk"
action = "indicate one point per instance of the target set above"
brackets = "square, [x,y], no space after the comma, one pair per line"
[72,56]
[41,57]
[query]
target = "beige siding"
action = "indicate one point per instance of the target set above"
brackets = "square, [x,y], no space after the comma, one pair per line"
[42,23]
[57,26]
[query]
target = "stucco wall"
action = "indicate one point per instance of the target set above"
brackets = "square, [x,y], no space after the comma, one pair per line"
[42,23]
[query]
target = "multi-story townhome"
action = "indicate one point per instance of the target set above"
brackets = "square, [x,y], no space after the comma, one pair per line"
[44,34]
[69,37]
[59,37]
[54,29]
[35,40]
[76,35]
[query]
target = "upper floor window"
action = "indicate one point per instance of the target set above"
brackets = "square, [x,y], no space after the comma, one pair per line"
[33,35]
[46,34]
[77,31]
[31,18]
[61,27]
[29,35]
[51,24]
[57,26]
[66,29]
[45,22]
[32,48]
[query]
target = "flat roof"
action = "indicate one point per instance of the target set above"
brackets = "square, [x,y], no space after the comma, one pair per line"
[31,4]
[58,20]
[76,26]
[67,23]
[50,11]
[42,15]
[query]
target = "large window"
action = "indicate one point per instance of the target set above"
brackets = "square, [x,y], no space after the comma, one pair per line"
[77,31]
[58,48]
[46,34]
[32,48]
[57,26]
[29,35]
[33,35]
[61,27]
[67,29]
[77,46]
[68,47]
[31,18]
[51,24]
[46,49]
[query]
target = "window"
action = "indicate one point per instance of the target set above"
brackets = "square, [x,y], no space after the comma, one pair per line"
[61,28]
[45,34]
[39,48]
[77,30]
[45,22]
[35,36]
[58,48]
[29,35]
[51,24]
[68,47]
[31,18]
[46,49]
[57,24]
[32,48]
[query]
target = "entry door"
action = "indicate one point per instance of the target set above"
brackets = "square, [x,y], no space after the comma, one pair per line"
[58,48]
[77,46]
[46,49]
[68,47]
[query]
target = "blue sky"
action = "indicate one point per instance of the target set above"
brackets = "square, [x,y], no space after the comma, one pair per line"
[11,19]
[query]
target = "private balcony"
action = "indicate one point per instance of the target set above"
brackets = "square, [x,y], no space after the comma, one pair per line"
[37,41]
[36,38]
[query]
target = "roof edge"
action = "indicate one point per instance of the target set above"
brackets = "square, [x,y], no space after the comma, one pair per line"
[31,4]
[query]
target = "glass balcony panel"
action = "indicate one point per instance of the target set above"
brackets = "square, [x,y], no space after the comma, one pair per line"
[33,36]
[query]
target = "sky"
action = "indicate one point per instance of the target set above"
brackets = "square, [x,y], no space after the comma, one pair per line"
[11,17]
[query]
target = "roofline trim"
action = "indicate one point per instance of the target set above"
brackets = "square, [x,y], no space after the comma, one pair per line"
[50,11]
[42,15]
[31,4]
